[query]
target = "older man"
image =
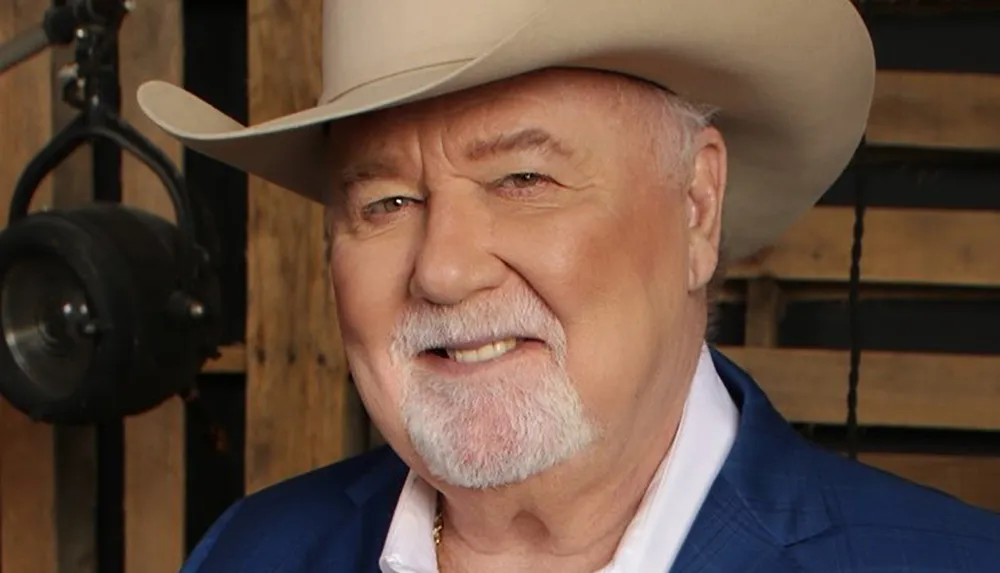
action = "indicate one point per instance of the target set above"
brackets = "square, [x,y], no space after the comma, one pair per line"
[525,219]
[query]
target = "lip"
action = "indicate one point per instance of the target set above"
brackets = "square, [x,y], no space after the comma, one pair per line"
[446,366]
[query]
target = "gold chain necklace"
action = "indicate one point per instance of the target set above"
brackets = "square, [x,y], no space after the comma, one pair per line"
[438,521]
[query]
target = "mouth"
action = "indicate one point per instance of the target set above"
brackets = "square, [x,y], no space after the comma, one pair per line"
[485,351]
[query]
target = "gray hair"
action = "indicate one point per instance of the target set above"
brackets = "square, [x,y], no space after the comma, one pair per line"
[675,123]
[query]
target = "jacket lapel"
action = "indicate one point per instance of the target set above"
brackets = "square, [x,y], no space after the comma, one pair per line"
[717,536]
[377,505]
[357,544]
[765,497]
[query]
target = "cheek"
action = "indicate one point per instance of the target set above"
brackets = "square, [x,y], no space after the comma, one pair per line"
[369,298]
[369,280]
[601,272]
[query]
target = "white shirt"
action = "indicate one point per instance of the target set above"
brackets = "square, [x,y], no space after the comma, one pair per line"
[657,531]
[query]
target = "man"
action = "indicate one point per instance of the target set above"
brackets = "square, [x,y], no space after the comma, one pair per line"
[526,215]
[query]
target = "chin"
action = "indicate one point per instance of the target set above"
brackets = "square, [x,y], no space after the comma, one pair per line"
[496,427]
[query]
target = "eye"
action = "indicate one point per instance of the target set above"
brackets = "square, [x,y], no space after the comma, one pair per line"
[386,206]
[524,180]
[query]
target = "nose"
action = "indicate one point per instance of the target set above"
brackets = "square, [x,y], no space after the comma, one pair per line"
[456,258]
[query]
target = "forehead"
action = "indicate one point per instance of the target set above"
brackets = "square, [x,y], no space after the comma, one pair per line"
[564,103]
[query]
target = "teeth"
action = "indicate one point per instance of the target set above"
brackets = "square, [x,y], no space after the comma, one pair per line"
[483,353]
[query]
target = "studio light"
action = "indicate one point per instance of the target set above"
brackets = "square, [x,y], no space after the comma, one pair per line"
[106,310]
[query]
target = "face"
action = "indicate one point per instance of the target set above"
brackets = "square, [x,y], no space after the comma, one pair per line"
[518,269]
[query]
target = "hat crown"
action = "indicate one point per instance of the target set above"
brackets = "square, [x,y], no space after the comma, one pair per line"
[367,40]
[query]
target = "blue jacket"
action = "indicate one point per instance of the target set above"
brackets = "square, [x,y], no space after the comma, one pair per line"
[779,505]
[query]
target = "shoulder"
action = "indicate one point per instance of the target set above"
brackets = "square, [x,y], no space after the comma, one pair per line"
[309,508]
[815,508]
[885,520]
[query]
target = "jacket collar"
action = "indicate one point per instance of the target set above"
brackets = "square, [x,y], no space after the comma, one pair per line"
[768,467]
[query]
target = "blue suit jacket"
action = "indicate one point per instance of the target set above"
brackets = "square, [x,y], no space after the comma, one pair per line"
[779,505]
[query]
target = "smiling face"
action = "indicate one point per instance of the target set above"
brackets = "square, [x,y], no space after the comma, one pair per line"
[519,270]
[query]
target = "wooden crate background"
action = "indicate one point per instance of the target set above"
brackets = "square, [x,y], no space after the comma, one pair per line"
[285,373]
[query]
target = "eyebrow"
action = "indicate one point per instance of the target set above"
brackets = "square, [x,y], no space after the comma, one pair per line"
[530,139]
[366,171]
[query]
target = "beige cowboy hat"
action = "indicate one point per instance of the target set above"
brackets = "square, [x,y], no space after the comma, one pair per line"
[793,80]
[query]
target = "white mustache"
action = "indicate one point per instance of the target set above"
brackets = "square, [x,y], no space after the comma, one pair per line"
[520,315]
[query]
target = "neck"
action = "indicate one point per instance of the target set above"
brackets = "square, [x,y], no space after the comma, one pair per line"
[571,518]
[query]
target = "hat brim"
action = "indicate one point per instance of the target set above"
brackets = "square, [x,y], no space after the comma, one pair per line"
[793,80]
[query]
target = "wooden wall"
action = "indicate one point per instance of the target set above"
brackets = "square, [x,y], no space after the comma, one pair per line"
[27,473]
[926,125]
[295,369]
[47,475]
[300,409]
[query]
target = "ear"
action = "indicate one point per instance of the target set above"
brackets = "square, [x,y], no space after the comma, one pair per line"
[704,200]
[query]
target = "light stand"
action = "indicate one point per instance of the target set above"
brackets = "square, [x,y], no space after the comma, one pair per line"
[106,310]
[59,26]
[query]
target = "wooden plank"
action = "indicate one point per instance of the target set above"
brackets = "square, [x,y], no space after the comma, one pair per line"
[27,495]
[151,47]
[935,110]
[792,292]
[27,464]
[972,479]
[232,361]
[299,406]
[895,389]
[764,303]
[910,246]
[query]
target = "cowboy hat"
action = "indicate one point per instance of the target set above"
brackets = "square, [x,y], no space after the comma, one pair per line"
[793,80]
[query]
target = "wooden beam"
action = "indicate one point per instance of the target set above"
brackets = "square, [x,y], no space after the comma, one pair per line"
[935,110]
[808,292]
[28,539]
[151,47]
[299,407]
[764,302]
[27,495]
[233,360]
[914,246]
[895,389]
[972,479]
